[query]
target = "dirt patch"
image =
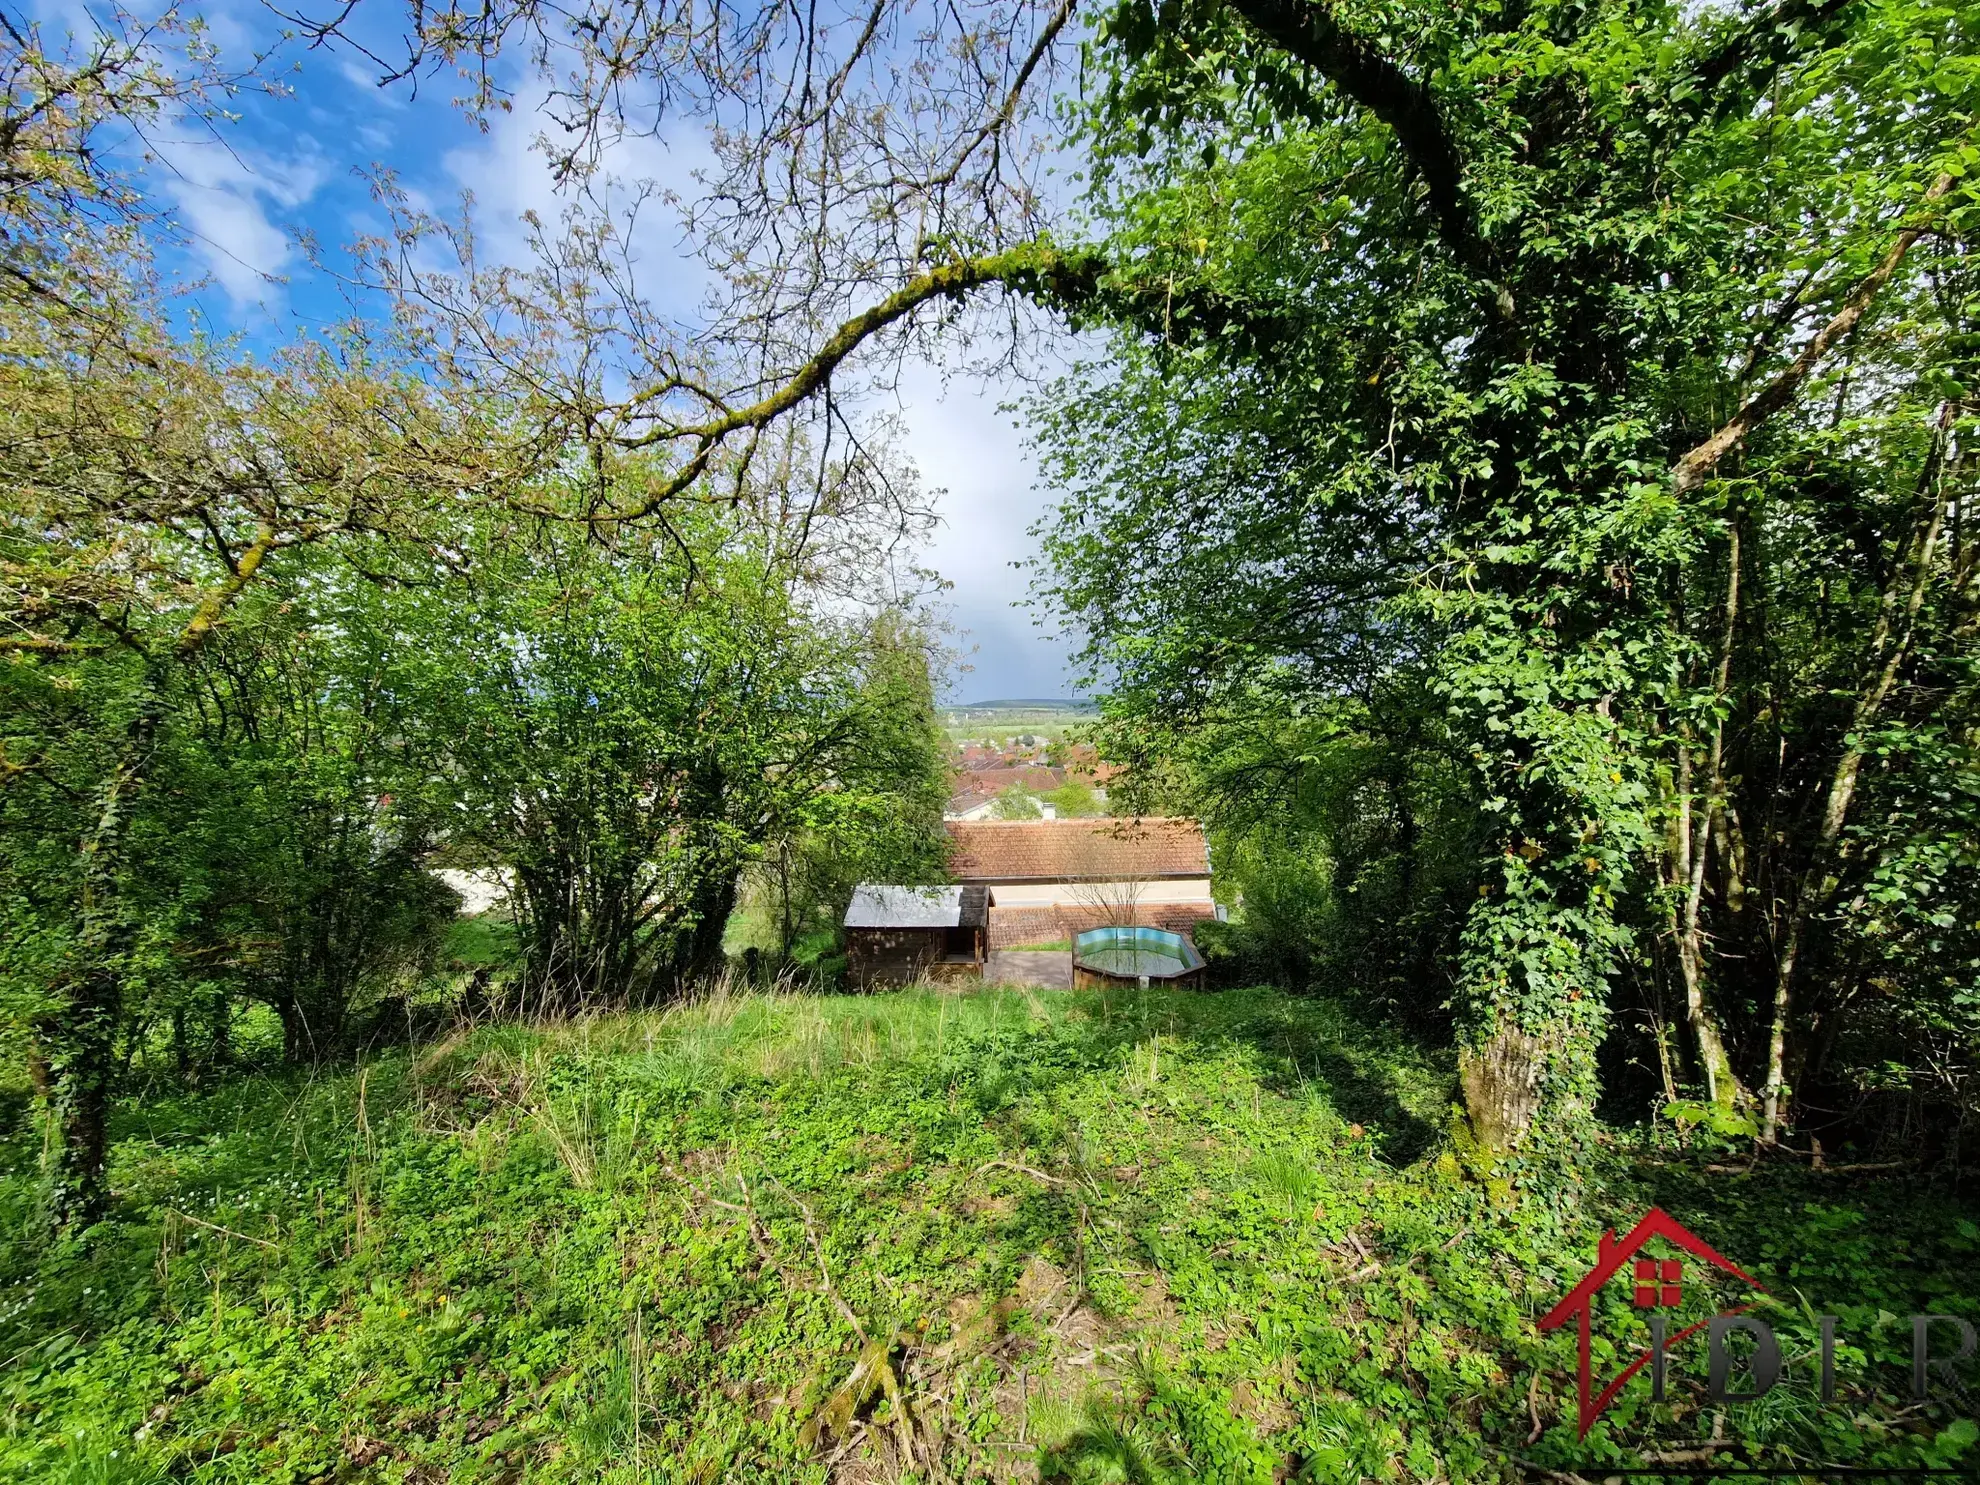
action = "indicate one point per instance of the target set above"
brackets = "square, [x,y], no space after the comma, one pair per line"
[1044,969]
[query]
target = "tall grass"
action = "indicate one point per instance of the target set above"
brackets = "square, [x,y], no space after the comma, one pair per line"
[532,1073]
[779,1033]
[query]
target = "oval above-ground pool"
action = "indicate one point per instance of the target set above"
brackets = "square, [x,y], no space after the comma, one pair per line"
[1135,956]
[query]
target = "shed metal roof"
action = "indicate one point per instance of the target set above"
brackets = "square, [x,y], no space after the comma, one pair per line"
[875,906]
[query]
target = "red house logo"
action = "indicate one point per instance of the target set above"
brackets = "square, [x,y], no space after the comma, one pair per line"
[1657,1284]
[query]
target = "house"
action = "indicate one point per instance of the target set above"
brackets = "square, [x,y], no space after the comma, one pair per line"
[971,804]
[900,935]
[996,780]
[974,804]
[1050,879]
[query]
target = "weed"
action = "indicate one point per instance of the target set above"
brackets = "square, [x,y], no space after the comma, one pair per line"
[790,1237]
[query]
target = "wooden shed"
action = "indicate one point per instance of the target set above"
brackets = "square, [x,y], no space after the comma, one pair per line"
[898,935]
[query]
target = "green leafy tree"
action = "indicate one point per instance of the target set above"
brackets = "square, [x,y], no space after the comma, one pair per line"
[1073,800]
[880,817]
[292,803]
[1015,802]
[1586,380]
[153,482]
[629,728]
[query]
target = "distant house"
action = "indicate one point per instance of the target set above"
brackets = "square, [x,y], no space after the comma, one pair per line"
[997,780]
[969,805]
[977,790]
[1050,879]
[973,804]
[899,935]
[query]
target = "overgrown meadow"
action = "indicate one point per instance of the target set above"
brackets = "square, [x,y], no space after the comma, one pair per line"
[1003,1235]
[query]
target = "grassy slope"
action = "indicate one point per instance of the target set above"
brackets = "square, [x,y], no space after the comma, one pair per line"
[1194,1236]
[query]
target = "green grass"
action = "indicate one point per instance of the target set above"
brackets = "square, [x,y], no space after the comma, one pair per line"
[1027,1234]
[488,941]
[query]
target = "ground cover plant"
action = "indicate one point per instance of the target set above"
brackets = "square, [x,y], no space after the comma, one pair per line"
[1005,1235]
[1541,432]
[1519,497]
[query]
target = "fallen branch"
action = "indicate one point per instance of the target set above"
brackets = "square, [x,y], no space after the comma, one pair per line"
[762,1241]
[818,1252]
[873,1369]
[1372,1264]
[1699,1453]
[224,1231]
[1024,1170]
[1544,1473]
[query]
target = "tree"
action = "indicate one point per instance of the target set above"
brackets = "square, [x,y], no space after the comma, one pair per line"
[880,820]
[631,726]
[291,816]
[152,483]
[1015,802]
[1073,800]
[1554,375]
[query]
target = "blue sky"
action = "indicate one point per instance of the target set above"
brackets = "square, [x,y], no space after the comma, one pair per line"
[302,164]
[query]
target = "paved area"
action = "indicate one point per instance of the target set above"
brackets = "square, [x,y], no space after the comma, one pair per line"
[1050,969]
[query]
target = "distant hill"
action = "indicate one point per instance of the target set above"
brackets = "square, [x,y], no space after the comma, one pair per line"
[1031,704]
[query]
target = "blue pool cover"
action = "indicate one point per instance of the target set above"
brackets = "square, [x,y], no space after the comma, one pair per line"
[1131,953]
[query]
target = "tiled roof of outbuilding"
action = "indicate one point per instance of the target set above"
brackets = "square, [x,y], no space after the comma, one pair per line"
[1077,850]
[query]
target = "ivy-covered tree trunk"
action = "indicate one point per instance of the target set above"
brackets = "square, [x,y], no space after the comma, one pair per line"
[714,902]
[78,1041]
[1532,1008]
[1542,938]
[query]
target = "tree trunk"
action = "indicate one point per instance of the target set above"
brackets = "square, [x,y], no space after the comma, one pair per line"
[784,902]
[1693,852]
[714,901]
[297,1045]
[1890,642]
[220,1030]
[82,1065]
[1722,1086]
[39,1078]
[1533,999]
[1502,1078]
[80,1038]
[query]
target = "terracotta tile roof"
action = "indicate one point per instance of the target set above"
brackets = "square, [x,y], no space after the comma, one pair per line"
[1076,850]
[996,780]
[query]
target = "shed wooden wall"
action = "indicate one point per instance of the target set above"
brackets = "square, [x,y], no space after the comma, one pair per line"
[891,956]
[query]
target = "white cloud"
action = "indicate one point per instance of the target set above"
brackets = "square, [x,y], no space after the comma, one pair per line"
[990,500]
[225,196]
[365,80]
[510,178]
[961,442]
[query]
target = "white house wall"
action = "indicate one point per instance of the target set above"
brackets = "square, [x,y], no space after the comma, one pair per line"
[1075,894]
